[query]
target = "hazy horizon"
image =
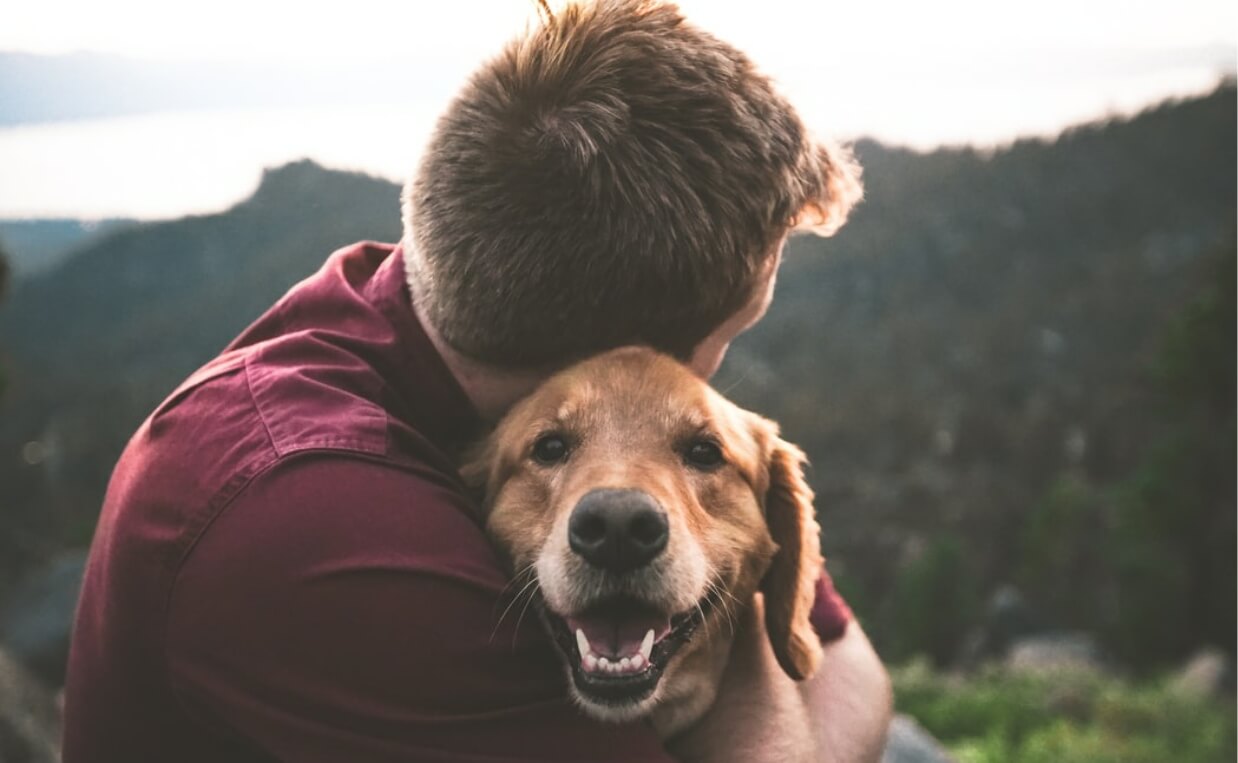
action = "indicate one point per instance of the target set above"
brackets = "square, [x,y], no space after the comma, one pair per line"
[127,167]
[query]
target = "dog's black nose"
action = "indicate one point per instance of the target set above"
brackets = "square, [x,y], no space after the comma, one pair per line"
[618,530]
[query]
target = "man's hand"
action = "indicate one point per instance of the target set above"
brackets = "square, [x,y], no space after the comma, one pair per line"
[840,715]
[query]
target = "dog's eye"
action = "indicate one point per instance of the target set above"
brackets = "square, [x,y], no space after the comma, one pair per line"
[550,449]
[703,454]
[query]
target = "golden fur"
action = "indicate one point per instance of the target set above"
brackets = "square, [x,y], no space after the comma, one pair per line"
[742,527]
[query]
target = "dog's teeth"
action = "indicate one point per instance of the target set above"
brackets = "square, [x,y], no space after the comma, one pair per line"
[625,664]
[582,643]
[603,663]
[646,646]
[638,662]
[590,663]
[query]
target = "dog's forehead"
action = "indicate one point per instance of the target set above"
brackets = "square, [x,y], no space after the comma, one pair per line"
[630,386]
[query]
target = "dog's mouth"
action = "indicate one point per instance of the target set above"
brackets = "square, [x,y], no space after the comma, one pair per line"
[618,648]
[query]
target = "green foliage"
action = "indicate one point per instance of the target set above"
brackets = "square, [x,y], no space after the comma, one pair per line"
[934,600]
[1061,546]
[1147,560]
[1196,361]
[1000,717]
[1154,556]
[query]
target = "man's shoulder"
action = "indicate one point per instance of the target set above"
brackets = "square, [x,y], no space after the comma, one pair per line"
[336,371]
[241,414]
[257,405]
[335,518]
[350,503]
[267,434]
[313,395]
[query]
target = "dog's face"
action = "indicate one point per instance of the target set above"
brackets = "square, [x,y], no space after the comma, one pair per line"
[648,509]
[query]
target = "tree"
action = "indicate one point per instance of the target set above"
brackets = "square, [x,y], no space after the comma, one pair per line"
[4,282]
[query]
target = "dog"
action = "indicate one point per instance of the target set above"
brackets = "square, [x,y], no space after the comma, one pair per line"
[643,510]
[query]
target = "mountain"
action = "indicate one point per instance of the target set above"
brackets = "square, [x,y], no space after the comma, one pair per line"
[1010,366]
[93,344]
[976,366]
[38,245]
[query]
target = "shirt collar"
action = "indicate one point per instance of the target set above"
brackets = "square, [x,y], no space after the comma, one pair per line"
[439,409]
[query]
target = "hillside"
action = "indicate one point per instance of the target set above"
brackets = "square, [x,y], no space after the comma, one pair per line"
[983,337]
[94,344]
[981,366]
[36,246]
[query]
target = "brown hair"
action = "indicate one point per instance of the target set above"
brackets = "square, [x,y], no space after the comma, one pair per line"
[616,176]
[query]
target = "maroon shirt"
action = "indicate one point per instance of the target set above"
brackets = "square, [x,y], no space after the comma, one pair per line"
[287,567]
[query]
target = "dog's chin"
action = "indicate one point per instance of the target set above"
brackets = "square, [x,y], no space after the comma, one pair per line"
[618,649]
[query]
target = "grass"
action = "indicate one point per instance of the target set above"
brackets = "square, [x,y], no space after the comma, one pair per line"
[995,716]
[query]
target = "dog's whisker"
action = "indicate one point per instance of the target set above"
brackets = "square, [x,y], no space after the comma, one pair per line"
[731,387]
[512,603]
[520,619]
[527,570]
[728,615]
[701,612]
[515,579]
[732,608]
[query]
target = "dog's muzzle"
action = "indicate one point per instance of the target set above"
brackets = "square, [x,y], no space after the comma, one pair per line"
[619,643]
[618,530]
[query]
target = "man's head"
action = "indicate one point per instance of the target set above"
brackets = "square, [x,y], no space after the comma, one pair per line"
[616,176]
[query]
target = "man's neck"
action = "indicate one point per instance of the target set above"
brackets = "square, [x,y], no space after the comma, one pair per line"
[491,389]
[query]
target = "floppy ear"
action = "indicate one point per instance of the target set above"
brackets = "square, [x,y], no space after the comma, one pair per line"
[790,584]
[477,469]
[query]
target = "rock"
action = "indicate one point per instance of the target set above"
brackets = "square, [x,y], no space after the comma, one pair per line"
[29,717]
[1209,673]
[37,617]
[1055,652]
[908,742]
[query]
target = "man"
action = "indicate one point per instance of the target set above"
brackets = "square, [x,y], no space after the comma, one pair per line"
[287,566]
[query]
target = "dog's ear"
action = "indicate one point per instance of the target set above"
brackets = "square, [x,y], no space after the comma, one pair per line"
[477,469]
[790,583]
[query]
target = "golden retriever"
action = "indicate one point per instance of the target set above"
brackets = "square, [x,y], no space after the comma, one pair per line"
[643,509]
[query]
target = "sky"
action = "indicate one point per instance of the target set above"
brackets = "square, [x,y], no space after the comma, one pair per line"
[774,31]
[915,73]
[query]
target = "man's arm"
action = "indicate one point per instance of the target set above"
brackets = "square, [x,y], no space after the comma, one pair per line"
[850,700]
[344,610]
[840,715]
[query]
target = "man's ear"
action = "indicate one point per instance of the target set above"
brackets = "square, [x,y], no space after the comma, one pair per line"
[835,175]
[790,584]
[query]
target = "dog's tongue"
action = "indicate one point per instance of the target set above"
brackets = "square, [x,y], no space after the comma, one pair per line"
[618,629]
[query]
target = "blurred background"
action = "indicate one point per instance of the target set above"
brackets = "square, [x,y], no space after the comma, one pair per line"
[1013,370]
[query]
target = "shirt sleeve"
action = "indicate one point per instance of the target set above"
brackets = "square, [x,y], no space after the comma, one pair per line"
[342,609]
[830,614]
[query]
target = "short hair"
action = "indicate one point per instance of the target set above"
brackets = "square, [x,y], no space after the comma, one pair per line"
[615,176]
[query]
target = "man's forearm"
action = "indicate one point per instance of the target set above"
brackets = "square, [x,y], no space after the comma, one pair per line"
[849,700]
